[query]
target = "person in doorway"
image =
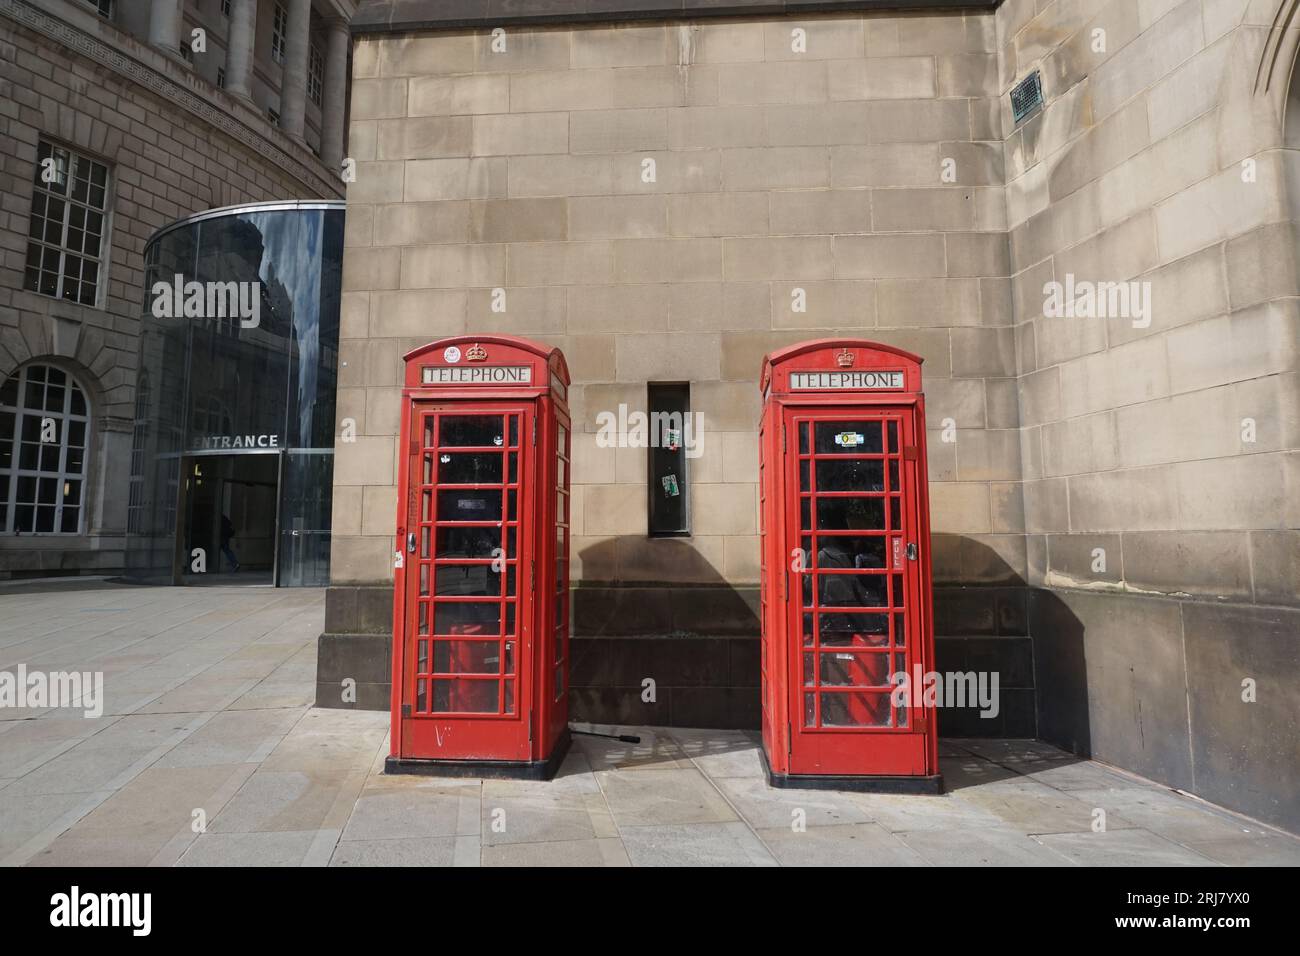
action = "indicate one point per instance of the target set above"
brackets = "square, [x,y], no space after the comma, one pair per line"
[227,533]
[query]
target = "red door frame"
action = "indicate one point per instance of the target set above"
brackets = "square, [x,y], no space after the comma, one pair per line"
[860,757]
[821,749]
[467,735]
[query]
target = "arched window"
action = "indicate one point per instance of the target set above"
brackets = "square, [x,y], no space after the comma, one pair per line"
[44,427]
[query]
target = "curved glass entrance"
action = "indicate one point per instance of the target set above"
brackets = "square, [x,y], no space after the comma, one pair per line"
[233,447]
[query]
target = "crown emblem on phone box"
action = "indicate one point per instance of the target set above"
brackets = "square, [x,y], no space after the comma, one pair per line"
[476,353]
[845,358]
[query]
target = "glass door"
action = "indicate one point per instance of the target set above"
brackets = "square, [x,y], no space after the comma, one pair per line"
[469,582]
[853,515]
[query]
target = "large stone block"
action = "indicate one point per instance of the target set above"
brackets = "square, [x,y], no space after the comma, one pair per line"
[605,131]
[426,137]
[1203,563]
[421,55]
[938,209]
[1275,565]
[777,258]
[378,99]
[453,266]
[526,134]
[1080,445]
[457,95]
[837,304]
[432,312]
[1096,698]
[897,256]
[802,81]
[817,212]
[882,78]
[1085,560]
[1247,754]
[429,180]
[668,357]
[775,168]
[716,126]
[718,214]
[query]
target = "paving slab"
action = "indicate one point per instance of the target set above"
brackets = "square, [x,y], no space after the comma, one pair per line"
[981,846]
[527,815]
[423,851]
[900,813]
[602,852]
[696,844]
[289,848]
[1034,808]
[1131,847]
[764,806]
[23,817]
[853,844]
[721,753]
[415,812]
[662,797]
[283,800]
[234,736]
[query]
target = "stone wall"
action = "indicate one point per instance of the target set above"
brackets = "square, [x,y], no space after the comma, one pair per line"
[776,171]
[1162,482]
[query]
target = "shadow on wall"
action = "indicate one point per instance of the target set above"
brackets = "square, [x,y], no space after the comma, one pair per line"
[983,614]
[666,641]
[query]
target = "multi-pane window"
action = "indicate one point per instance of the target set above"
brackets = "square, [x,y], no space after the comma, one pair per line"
[221,77]
[279,28]
[187,51]
[44,427]
[315,74]
[103,7]
[65,245]
[225,8]
[274,115]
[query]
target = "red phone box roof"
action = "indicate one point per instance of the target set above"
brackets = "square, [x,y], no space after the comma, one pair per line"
[841,366]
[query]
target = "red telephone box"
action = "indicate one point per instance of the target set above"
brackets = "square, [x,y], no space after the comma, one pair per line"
[481,597]
[846,581]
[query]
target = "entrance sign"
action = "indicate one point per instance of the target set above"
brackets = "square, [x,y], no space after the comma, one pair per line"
[846,600]
[481,573]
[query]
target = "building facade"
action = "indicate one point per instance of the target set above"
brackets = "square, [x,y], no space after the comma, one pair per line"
[1102,284]
[116,119]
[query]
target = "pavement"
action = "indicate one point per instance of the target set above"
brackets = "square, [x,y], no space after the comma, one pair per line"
[209,753]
